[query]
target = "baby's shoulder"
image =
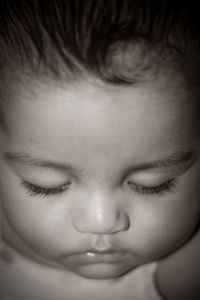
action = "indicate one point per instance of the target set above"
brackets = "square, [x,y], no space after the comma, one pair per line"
[143,282]
[178,274]
[22,279]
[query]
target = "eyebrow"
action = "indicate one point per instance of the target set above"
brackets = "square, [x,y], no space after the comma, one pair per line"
[28,159]
[170,161]
[173,160]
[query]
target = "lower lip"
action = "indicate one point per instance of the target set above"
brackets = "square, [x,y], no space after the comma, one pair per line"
[95,258]
[94,265]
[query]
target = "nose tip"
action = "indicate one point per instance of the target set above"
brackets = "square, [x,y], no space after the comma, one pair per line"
[101,216]
[101,225]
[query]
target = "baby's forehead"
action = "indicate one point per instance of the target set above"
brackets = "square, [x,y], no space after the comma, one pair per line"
[33,87]
[28,88]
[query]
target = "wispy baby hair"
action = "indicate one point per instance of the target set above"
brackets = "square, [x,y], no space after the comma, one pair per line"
[115,40]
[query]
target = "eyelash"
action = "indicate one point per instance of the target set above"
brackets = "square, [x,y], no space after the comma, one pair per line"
[35,190]
[159,190]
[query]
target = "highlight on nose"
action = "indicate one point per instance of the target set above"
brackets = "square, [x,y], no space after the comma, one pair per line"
[100,215]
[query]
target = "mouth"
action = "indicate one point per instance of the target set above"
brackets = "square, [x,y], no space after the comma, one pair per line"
[92,256]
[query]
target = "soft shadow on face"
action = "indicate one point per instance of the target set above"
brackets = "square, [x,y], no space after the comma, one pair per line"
[99,179]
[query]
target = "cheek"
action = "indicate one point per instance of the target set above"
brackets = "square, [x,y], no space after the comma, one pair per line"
[39,222]
[164,225]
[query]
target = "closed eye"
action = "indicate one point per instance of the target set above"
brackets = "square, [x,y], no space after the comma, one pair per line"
[35,190]
[159,190]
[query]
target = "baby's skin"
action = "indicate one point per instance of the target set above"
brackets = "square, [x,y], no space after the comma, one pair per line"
[96,180]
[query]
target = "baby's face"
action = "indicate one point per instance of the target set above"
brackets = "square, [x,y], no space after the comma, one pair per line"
[98,179]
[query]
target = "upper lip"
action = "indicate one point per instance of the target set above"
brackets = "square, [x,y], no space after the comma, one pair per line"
[107,255]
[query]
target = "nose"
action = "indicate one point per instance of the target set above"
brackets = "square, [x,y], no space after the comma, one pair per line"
[100,214]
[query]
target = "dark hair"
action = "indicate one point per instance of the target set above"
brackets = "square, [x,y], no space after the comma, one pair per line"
[99,37]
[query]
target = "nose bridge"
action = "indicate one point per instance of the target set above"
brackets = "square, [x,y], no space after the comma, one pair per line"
[102,210]
[100,214]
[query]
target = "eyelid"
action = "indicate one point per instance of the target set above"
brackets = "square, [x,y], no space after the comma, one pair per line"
[49,187]
[44,178]
[150,186]
[150,180]
[147,178]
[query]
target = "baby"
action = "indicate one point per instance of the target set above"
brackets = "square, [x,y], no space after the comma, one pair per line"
[99,146]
